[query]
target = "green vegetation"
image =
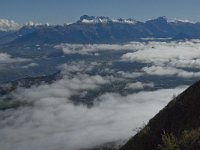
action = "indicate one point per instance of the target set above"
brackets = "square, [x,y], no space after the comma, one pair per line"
[144,131]
[189,139]
[169,142]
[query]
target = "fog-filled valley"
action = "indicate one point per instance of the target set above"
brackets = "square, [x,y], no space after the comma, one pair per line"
[99,75]
[89,94]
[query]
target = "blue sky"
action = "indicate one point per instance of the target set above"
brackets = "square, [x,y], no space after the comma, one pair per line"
[63,11]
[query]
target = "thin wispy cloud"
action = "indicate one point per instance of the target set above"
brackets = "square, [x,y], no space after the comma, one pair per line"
[139,85]
[7,59]
[86,49]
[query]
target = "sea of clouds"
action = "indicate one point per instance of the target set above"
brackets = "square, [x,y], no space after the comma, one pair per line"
[162,58]
[54,122]
[168,58]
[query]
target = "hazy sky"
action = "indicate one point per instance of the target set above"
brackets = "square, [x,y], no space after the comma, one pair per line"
[62,11]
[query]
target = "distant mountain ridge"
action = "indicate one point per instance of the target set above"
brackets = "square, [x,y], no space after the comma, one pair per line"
[102,19]
[90,29]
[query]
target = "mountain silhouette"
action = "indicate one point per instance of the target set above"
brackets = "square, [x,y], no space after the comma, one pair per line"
[177,123]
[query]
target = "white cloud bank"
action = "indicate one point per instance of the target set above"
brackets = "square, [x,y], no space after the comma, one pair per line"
[169,71]
[173,53]
[86,49]
[139,85]
[130,74]
[53,122]
[162,57]
[167,58]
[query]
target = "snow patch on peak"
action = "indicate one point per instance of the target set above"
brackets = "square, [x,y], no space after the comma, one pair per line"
[175,20]
[35,24]
[102,19]
[31,23]
[125,21]
[8,25]
[92,19]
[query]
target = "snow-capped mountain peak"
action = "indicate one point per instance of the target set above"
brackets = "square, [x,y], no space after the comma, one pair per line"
[92,19]
[128,21]
[102,19]
[31,23]
[8,25]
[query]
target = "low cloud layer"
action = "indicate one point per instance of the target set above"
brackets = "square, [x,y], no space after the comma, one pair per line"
[168,58]
[139,85]
[53,122]
[170,71]
[86,49]
[130,74]
[172,58]
[6,59]
[172,53]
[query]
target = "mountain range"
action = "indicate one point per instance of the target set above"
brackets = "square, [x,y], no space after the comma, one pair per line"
[90,29]
[33,57]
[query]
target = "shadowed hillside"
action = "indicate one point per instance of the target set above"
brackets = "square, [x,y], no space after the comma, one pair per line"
[175,127]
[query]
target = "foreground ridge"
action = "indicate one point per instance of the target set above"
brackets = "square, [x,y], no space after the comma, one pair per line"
[177,126]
